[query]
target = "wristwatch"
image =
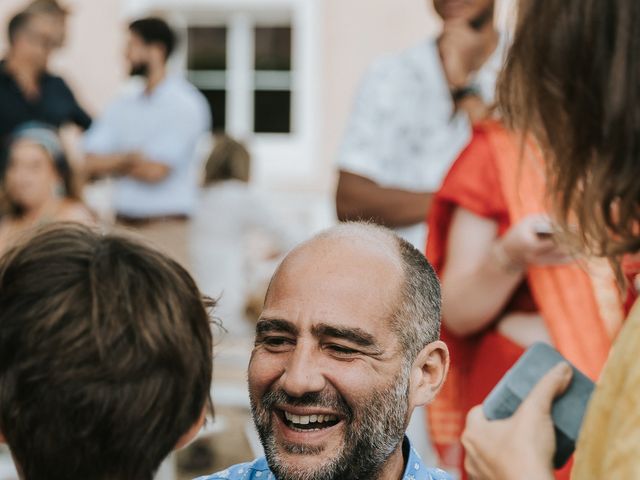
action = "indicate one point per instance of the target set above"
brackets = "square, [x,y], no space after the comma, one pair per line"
[463,92]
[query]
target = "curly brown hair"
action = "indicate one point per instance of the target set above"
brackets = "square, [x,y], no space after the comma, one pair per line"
[572,78]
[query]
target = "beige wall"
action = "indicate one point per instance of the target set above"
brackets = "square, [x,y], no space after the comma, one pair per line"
[356,32]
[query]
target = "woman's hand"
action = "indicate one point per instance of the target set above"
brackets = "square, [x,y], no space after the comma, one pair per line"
[524,328]
[521,446]
[532,242]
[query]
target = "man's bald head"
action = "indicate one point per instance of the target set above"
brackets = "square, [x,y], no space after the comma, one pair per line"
[393,269]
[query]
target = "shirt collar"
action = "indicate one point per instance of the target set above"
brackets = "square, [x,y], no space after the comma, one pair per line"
[415,469]
[166,81]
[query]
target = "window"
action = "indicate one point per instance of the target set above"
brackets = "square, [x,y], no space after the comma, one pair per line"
[272,80]
[207,65]
[258,63]
[270,86]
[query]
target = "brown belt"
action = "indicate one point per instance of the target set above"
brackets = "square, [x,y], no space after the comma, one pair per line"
[142,221]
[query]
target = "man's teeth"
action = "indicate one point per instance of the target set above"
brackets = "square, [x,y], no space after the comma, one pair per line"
[307,419]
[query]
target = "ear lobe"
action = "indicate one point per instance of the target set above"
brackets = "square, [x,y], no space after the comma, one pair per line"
[428,373]
[191,434]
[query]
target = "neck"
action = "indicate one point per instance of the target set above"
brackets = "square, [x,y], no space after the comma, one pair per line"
[394,468]
[489,36]
[35,214]
[20,68]
[156,75]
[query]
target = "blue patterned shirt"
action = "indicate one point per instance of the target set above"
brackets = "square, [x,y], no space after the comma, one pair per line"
[259,470]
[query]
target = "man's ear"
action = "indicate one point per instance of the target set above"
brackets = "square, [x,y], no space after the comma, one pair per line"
[188,437]
[428,373]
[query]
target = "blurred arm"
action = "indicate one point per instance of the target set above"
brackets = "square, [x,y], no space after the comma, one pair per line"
[360,198]
[149,171]
[475,285]
[97,166]
[134,165]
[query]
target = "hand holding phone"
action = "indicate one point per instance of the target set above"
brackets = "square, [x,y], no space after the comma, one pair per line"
[568,410]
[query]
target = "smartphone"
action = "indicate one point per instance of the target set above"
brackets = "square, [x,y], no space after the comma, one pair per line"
[567,411]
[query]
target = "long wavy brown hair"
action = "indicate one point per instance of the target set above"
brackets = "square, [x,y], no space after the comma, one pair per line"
[572,78]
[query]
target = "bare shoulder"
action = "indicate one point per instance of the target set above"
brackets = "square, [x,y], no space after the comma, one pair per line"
[75,211]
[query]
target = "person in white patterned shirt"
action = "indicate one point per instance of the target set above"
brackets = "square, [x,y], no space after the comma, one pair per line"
[412,117]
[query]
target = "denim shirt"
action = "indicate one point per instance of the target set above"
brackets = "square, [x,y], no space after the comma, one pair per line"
[259,469]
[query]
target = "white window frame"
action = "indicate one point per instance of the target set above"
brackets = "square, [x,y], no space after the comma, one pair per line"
[280,160]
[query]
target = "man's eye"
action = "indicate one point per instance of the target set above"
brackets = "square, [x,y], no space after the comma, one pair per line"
[276,343]
[341,350]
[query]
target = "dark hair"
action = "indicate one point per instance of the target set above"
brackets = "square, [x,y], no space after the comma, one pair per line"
[229,160]
[572,78]
[18,23]
[155,30]
[105,355]
[46,137]
[49,7]
[418,314]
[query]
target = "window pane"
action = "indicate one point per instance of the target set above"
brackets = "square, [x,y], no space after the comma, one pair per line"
[218,103]
[207,48]
[273,48]
[272,111]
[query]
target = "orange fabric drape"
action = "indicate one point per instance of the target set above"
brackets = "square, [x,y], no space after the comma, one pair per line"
[570,306]
[578,302]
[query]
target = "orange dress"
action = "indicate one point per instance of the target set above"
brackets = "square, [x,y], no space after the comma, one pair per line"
[578,302]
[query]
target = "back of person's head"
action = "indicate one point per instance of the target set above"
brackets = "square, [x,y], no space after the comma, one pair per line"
[154,30]
[229,160]
[105,355]
[572,78]
[50,7]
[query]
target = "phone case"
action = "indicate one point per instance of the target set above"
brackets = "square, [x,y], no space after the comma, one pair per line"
[568,410]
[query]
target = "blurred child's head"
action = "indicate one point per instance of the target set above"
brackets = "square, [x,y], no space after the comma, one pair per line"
[105,356]
[229,160]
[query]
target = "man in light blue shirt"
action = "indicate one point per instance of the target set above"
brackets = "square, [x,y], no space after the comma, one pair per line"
[259,469]
[347,346]
[147,140]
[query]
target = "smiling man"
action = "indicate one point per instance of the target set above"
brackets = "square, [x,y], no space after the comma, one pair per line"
[346,347]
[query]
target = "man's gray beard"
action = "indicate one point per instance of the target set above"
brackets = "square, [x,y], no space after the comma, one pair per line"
[373,432]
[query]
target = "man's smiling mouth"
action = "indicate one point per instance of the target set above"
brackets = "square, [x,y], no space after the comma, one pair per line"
[309,422]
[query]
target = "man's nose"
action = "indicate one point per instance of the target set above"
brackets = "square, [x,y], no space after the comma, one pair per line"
[303,372]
